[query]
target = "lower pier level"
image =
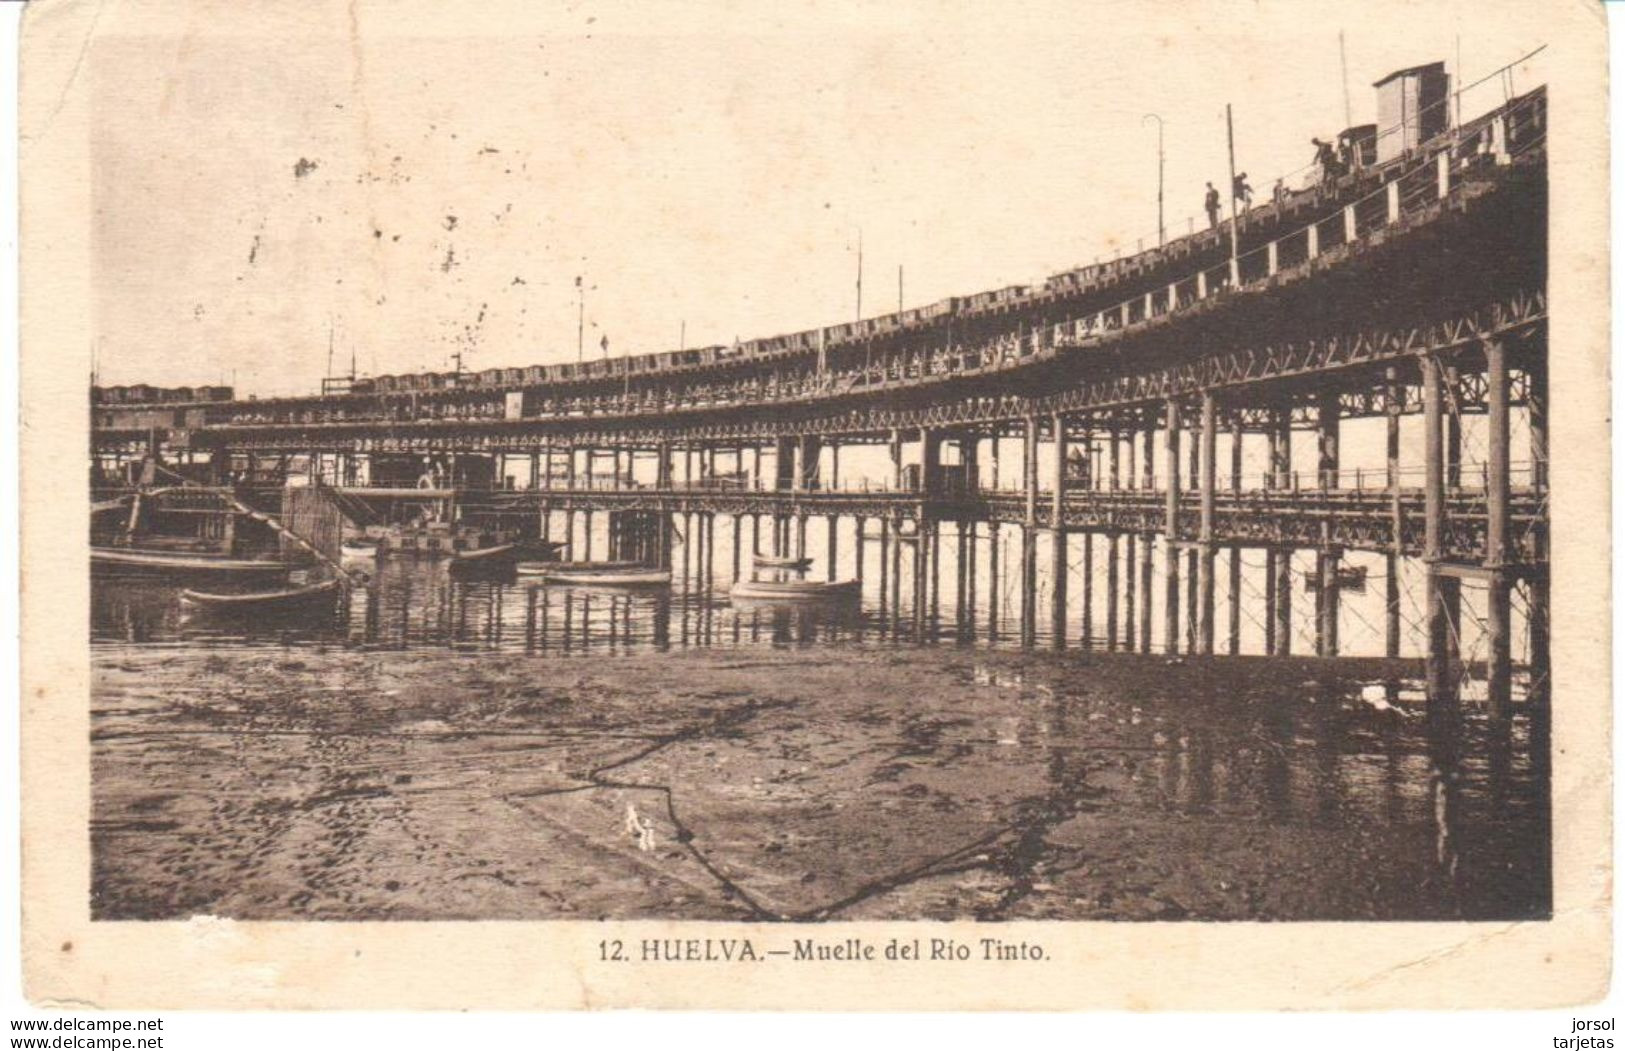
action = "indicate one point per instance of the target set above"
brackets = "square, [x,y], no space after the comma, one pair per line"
[1096,516]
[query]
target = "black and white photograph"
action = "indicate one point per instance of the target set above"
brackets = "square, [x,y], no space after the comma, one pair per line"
[928,465]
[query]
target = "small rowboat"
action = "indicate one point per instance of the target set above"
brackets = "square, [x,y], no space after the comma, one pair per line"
[794,590]
[265,603]
[540,569]
[133,561]
[781,562]
[359,547]
[635,576]
[499,553]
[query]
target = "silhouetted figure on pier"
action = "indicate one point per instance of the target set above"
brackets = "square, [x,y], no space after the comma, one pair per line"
[1326,157]
[1242,191]
[1212,205]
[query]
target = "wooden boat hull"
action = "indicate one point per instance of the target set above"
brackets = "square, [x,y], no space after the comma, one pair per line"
[774,562]
[133,562]
[794,590]
[607,579]
[265,603]
[501,553]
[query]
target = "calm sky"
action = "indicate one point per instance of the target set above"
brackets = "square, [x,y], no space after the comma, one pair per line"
[419,189]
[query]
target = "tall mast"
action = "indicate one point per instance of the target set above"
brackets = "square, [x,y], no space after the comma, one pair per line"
[1342,57]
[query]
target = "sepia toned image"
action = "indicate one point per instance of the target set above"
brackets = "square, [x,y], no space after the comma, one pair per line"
[694,471]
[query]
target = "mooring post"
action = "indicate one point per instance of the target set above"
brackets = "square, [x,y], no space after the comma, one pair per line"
[1171,528]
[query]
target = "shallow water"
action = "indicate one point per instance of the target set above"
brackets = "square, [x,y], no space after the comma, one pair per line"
[435,750]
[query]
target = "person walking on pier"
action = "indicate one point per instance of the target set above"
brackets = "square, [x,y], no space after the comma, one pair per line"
[1212,205]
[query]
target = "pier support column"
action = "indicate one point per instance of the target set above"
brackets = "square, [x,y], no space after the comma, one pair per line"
[1111,592]
[1442,686]
[1088,589]
[930,460]
[922,559]
[1207,480]
[734,543]
[1396,514]
[663,465]
[1280,559]
[1128,591]
[1538,583]
[1029,584]
[1192,553]
[1029,529]
[1451,401]
[1171,528]
[992,581]
[1058,566]
[961,570]
[807,476]
[833,524]
[1498,535]
[1327,558]
[860,524]
[1234,604]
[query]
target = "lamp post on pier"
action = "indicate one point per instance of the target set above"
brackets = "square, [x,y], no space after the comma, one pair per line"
[1160,230]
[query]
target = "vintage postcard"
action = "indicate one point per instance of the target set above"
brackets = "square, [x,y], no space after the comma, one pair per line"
[912,506]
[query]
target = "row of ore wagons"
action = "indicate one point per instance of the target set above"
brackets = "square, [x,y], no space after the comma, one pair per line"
[698,357]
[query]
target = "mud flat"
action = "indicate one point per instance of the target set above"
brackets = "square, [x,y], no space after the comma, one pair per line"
[844,782]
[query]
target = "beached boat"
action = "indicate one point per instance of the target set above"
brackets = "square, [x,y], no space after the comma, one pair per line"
[794,590]
[359,547]
[781,562]
[618,576]
[266,603]
[138,562]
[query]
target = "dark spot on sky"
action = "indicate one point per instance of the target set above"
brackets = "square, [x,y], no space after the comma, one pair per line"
[377,233]
[489,149]
[397,237]
[254,250]
[517,281]
[303,168]
[451,222]
[450,261]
